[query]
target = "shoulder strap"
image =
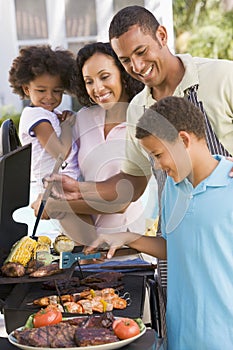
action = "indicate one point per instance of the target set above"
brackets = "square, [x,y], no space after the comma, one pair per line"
[213,142]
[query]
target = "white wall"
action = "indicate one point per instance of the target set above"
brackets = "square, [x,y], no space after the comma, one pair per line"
[56,29]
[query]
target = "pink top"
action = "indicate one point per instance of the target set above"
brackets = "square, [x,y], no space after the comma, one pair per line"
[100,158]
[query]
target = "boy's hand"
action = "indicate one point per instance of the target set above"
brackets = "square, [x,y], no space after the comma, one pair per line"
[114,241]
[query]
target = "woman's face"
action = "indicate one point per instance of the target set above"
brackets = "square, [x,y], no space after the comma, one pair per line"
[103,81]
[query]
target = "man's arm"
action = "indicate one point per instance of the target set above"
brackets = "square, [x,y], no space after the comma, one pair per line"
[120,188]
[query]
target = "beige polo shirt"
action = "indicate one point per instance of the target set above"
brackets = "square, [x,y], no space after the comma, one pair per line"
[215,80]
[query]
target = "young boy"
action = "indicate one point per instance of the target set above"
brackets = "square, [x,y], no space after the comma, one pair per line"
[197,221]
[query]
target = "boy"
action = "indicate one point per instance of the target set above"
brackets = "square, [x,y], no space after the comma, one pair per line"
[197,220]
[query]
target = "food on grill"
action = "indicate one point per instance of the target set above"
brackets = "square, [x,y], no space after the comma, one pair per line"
[65,286]
[44,240]
[58,335]
[32,266]
[22,251]
[48,316]
[47,270]
[86,302]
[42,247]
[104,279]
[94,336]
[125,328]
[67,333]
[13,269]
[63,243]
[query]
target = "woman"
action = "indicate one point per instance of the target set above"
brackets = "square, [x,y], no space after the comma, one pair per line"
[104,89]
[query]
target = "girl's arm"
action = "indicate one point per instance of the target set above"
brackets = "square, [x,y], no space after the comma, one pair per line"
[50,142]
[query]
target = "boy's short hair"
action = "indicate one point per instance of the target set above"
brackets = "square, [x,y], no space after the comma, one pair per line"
[167,117]
[130,16]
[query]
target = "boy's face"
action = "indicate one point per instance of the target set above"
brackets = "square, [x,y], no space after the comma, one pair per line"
[45,91]
[173,158]
[142,56]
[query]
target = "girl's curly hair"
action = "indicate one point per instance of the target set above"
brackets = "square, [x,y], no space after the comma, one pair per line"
[33,61]
[132,86]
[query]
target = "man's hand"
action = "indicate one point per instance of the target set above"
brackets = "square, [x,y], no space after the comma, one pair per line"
[36,204]
[64,187]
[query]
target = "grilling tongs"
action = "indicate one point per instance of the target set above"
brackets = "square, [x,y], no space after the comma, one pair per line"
[46,194]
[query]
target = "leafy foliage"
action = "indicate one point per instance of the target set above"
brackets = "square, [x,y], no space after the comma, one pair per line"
[204,28]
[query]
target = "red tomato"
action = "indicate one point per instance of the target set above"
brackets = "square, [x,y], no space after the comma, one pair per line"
[48,316]
[125,328]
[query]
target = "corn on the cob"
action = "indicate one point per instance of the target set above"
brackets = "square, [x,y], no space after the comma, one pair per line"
[44,240]
[22,251]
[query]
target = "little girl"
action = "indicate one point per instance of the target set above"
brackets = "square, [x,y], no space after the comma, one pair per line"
[43,75]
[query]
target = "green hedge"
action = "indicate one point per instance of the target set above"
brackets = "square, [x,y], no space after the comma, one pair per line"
[14,117]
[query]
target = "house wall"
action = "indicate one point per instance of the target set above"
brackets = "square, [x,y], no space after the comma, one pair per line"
[89,21]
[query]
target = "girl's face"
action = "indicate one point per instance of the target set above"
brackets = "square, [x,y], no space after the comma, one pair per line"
[45,91]
[103,81]
[173,158]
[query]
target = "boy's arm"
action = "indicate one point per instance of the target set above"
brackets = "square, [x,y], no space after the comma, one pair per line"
[155,246]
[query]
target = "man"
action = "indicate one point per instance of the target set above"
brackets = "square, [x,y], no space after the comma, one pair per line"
[140,43]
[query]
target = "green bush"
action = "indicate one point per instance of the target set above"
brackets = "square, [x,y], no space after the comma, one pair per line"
[13,117]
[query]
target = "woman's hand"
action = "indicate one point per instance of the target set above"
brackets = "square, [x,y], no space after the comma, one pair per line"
[64,187]
[36,204]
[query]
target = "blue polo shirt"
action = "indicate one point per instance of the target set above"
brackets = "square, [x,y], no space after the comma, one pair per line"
[198,226]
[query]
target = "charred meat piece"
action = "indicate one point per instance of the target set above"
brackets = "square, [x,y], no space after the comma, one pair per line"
[103,280]
[65,286]
[102,277]
[94,336]
[12,269]
[47,270]
[103,321]
[60,335]
[32,266]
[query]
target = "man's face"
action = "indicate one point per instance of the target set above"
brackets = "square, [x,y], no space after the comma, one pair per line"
[142,55]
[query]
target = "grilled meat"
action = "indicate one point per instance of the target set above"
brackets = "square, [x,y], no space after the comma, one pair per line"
[63,334]
[59,336]
[47,270]
[66,286]
[103,280]
[94,336]
[33,265]
[105,321]
[13,269]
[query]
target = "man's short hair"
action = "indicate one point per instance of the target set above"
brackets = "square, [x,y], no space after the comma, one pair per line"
[133,15]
